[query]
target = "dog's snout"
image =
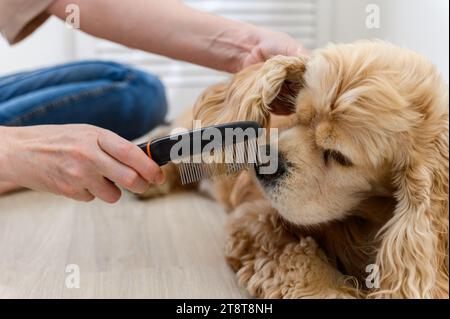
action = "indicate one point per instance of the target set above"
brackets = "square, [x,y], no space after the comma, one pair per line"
[271,179]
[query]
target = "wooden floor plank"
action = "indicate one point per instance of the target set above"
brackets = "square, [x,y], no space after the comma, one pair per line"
[164,248]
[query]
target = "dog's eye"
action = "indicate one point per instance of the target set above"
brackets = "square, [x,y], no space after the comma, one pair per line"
[336,156]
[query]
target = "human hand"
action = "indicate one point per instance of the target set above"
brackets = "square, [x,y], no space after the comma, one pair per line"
[264,44]
[77,161]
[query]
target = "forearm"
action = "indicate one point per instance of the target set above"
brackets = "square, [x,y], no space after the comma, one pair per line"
[173,29]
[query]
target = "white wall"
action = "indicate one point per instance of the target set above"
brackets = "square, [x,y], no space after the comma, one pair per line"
[349,17]
[420,25]
[52,43]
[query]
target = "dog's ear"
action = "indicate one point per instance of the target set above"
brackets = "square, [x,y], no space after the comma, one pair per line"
[413,253]
[254,93]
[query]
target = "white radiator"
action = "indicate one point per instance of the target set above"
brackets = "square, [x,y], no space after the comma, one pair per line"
[305,20]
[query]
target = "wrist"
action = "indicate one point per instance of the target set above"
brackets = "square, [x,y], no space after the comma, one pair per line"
[7,137]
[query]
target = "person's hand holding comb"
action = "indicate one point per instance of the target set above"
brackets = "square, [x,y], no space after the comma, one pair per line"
[78,161]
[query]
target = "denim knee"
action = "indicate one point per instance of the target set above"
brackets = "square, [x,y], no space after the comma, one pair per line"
[150,102]
[113,96]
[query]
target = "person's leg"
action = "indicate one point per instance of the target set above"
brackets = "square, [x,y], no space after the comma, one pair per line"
[121,99]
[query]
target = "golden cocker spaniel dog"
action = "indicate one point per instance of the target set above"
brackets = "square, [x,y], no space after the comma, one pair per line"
[358,206]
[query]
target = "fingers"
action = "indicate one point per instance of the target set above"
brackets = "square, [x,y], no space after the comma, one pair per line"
[96,186]
[102,189]
[6,187]
[82,195]
[121,174]
[130,155]
[105,190]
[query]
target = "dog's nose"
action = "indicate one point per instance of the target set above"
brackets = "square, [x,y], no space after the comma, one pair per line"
[271,179]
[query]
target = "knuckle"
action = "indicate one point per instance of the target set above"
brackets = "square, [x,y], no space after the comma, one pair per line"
[79,153]
[150,167]
[93,133]
[131,179]
[86,127]
[75,173]
[90,130]
[68,191]
[150,170]
[83,156]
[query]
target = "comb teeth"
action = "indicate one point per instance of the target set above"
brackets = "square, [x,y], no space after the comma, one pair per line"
[193,172]
[230,160]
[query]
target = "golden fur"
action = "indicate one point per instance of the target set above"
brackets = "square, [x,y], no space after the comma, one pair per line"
[366,155]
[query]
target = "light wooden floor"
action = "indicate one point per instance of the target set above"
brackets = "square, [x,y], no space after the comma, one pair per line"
[164,248]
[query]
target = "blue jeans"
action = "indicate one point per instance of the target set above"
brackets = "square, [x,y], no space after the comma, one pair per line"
[126,101]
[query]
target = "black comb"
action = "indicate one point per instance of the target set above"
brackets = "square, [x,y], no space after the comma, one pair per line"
[208,151]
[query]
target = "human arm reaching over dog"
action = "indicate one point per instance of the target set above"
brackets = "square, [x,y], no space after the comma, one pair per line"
[173,29]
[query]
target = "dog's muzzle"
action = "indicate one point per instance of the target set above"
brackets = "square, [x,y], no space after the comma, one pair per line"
[271,180]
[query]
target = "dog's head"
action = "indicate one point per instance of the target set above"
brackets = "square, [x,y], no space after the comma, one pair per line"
[368,120]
